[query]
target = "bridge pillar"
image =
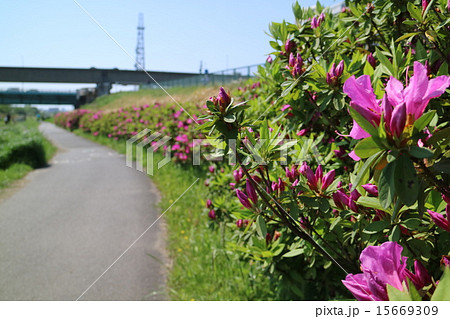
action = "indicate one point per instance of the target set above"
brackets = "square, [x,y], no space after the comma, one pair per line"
[104,88]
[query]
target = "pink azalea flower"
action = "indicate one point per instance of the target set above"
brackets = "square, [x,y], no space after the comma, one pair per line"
[401,106]
[381,265]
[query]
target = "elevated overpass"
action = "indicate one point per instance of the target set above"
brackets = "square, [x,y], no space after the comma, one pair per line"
[39,97]
[104,78]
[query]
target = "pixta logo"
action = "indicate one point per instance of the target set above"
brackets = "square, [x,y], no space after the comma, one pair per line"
[151,143]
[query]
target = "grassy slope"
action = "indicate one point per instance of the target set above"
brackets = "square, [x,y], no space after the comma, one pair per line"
[201,269]
[137,98]
[18,170]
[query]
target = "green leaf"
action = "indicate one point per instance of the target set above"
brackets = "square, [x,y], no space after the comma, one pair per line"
[424,120]
[371,202]
[442,292]
[365,168]
[293,253]
[415,12]
[397,295]
[386,187]
[439,135]
[365,124]
[420,152]
[368,69]
[405,180]
[407,35]
[389,68]
[366,148]
[376,227]
[261,228]
[230,118]
[394,234]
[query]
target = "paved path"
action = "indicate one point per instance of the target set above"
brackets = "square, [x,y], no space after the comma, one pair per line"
[72,220]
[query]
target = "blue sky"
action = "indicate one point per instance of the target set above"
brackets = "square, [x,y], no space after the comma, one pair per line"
[178,35]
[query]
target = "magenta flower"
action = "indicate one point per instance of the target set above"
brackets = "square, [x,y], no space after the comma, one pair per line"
[371,189]
[381,265]
[289,45]
[251,192]
[328,179]
[401,106]
[314,23]
[440,220]
[212,214]
[243,199]
[269,59]
[208,203]
[239,223]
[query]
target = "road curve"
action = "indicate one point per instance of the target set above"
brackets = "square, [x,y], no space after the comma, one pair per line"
[72,220]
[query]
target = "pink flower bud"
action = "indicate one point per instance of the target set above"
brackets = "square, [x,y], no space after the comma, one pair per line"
[328,179]
[340,199]
[211,168]
[398,120]
[269,59]
[319,173]
[387,110]
[243,199]
[371,189]
[212,214]
[239,223]
[370,58]
[439,220]
[421,278]
[251,193]
[289,45]
[339,69]
[208,203]
[291,60]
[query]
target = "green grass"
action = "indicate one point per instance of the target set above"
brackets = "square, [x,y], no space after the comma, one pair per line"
[22,149]
[202,268]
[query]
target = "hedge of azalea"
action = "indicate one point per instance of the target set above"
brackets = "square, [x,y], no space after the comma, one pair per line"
[332,169]
[341,183]
[127,122]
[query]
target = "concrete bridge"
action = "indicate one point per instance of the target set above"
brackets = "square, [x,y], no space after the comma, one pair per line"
[39,97]
[104,78]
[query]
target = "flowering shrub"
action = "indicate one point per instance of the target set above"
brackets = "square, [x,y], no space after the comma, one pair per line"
[342,153]
[127,122]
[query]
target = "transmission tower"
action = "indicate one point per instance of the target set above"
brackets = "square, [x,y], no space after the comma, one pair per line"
[140,56]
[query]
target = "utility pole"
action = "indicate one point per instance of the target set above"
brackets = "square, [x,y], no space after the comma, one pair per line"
[140,56]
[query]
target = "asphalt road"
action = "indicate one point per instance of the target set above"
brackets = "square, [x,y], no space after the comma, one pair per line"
[70,221]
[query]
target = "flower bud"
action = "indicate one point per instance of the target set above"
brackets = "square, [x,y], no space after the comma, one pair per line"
[371,189]
[398,120]
[387,110]
[339,69]
[314,23]
[223,99]
[289,45]
[243,199]
[328,179]
[319,173]
[276,235]
[269,59]
[445,260]
[370,58]
[251,193]
[239,223]
[211,168]
[291,60]
[208,203]
[340,199]
[212,214]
